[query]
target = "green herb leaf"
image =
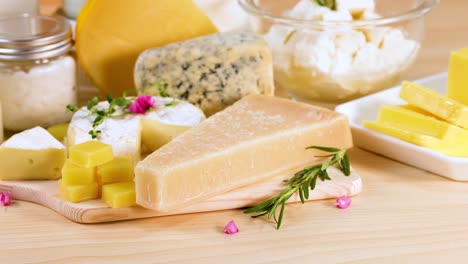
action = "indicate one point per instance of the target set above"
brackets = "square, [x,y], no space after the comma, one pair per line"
[327,3]
[303,181]
[122,102]
[162,89]
[326,149]
[100,114]
[92,103]
[173,103]
[72,108]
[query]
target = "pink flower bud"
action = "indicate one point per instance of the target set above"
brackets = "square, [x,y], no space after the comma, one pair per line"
[343,202]
[5,199]
[142,104]
[231,228]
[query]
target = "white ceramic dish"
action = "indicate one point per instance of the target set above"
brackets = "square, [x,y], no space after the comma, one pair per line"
[367,108]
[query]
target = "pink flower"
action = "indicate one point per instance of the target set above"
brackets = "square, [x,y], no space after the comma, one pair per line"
[5,199]
[142,104]
[231,228]
[343,202]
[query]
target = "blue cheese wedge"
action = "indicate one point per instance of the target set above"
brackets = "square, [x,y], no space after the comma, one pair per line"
[211,72]
[33,154]
[127,133]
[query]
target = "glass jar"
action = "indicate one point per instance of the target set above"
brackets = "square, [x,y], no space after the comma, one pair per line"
[37,73]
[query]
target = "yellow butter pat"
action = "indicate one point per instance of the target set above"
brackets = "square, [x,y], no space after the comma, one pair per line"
[73,174]
[91,154]
[457,88]
[447,148]
[413,119]
[120,169]
[118,195]
[435,103]
[78,193]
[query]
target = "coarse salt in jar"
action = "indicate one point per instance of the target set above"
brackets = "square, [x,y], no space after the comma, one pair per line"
[37,73]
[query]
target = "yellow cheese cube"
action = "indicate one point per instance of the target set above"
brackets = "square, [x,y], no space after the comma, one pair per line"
[435,103]
[91,153]
[413,119]
[447,148]
[118,195]
[120,169]
[73,174]
[457,88]
[155,134]
[59,131]
[78,193]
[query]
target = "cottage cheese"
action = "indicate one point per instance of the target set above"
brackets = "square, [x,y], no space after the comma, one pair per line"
[37,95]
[338,63]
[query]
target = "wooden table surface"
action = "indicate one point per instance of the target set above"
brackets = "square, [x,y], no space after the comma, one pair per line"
[404,215]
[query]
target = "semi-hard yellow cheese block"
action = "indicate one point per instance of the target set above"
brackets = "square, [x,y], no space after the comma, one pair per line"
[120,169]
[110,34]
[457,88]
[457,149]
[59,131]
[435,103]
[415,120]
[156,133]
[90,153]
[78,193]
[118,195]
[33,154]
[247,142]
[73,174]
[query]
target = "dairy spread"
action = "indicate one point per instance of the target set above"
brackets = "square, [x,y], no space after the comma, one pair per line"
[338,62]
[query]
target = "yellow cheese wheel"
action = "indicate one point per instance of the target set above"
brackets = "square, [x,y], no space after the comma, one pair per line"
[110,34]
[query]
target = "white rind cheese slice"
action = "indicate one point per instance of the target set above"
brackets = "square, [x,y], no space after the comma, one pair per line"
[165,123]
[211,72]
[127,133]
[246,143]
[33,154]
[123,133]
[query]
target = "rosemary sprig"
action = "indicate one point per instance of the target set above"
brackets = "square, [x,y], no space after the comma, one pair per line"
[327,3]
[301,182]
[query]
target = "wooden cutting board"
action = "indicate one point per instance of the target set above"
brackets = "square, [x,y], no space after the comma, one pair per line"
[46,193]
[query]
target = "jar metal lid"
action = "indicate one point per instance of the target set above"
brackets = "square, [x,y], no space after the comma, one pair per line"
[29,37]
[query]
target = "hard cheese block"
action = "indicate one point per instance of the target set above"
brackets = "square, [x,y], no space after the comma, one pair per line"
[211,72]
[246,143]
[33,154]
[457,76]
[111,33]
[416,120]
[435,103]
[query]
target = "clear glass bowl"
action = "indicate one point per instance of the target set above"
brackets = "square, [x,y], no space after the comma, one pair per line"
[330,62]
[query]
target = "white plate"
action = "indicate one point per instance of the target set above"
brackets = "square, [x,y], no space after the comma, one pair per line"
[367,108]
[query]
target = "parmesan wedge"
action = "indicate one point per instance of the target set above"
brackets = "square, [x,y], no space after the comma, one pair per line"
[250,141]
